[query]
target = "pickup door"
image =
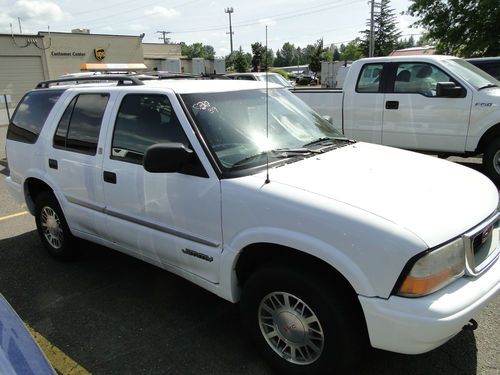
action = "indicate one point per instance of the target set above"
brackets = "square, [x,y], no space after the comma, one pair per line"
[415,118]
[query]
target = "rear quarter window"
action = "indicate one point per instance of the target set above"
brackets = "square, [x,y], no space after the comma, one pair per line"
[31,114]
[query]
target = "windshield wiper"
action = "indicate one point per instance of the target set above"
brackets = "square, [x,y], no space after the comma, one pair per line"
[328,141]
[279,153]
[487,86]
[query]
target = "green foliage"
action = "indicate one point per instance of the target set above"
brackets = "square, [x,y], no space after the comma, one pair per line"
[385,31]
[197,50]
[238,61]
[336,54]
[405,43]
[284,73]
[352,51]
[261,59]
[315,64]
[287,55]
[460,27]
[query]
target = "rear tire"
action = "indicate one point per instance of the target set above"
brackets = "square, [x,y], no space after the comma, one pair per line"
[491,160]
[302,323]
[53,228]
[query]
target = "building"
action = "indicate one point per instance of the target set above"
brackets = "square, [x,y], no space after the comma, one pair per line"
[26,59]
[424,50]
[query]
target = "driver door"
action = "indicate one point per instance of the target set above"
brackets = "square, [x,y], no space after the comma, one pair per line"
[169,219]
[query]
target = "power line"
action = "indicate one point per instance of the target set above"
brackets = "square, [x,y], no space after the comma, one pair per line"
[164,36]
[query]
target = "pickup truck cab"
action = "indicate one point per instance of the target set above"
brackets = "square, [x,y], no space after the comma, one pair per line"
[326,243]
[435,104]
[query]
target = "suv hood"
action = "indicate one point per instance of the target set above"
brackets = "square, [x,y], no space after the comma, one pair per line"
[435,199]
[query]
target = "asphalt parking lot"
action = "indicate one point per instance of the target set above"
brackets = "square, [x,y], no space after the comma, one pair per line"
[108,313]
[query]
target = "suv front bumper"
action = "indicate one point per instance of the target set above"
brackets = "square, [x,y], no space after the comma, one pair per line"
[417,325]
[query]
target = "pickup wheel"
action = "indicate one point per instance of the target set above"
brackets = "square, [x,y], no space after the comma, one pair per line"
[491,160]
[300,324]
[53,228]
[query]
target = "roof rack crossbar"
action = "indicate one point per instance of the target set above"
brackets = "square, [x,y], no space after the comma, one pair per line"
[102,77]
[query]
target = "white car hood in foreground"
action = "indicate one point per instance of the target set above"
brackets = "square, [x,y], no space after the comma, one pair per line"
[435,199]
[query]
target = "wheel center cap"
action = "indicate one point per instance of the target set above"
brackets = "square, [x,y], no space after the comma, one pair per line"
[290,327]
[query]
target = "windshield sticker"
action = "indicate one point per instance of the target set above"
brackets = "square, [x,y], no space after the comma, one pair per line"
[205,106]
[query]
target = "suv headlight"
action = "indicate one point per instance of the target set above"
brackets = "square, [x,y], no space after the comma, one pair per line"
[434,270]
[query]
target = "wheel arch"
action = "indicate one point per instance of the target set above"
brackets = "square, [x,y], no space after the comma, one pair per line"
[491,133]
[33,186]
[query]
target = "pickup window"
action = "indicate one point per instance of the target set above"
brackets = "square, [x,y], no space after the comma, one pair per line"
[419,78]
[79,127]
[369,79]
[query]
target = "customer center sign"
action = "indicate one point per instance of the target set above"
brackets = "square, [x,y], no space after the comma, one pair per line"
[67,54]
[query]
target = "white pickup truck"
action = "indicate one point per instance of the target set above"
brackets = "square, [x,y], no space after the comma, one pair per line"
[435,104]
[326,243]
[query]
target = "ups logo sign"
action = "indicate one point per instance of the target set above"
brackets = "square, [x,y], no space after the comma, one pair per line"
[99,54]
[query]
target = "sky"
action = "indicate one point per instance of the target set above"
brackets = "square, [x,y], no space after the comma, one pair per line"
[300,22]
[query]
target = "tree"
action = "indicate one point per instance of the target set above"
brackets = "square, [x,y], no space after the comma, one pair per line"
[385,31]
[197,50]
[336,54]
[405,43]
[460,27]
[315,64]
[287,55]
[238,61]
[262,59]
[352,51]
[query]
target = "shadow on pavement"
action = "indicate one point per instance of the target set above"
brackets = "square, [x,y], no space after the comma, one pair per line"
[114,314]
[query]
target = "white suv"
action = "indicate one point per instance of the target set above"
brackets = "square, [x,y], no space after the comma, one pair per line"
[325,242]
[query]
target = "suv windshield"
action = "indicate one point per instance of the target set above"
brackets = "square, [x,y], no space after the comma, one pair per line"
[472,74]
[234,125]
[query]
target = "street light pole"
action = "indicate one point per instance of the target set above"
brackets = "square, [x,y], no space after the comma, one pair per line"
[229,11]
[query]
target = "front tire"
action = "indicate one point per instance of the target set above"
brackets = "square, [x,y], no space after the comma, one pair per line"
[491,160]
[53,228]
[302,323]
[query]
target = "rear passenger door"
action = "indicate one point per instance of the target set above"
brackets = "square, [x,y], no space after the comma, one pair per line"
[169,219]
[364,103]
[75,160]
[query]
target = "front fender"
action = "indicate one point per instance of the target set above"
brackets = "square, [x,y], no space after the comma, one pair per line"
[298,241]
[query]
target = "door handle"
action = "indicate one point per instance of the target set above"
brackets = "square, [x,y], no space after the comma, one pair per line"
[109,177]
[391,104]
[53,164]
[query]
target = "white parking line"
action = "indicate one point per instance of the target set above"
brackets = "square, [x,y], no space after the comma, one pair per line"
[13,215]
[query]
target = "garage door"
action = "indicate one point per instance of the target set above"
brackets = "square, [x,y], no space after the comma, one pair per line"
[19,74]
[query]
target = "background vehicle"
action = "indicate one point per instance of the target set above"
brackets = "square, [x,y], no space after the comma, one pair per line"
[261,76]
[490,65]
[435,104]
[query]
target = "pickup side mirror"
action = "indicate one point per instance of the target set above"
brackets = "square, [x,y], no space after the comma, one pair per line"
[449,90]
[166,157]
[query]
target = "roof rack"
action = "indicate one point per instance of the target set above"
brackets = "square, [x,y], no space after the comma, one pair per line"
[102,77]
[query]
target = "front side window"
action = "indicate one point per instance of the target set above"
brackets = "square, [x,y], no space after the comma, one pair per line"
[369,78]
[419,78]
[144,120]
[244,128]
[79,127]
[31,114]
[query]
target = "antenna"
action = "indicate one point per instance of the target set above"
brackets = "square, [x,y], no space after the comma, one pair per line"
[267,117]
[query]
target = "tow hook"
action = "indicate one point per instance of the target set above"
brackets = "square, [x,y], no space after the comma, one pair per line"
[471,326]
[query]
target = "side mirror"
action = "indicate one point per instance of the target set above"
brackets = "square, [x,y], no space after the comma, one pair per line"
[166,157]
[449,90]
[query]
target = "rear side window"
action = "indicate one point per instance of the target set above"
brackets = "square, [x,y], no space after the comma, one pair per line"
[80,125]
[369,78]
[30,115]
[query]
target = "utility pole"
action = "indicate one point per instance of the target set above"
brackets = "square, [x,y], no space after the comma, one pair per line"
[229,11]
[164,36]
[371,49]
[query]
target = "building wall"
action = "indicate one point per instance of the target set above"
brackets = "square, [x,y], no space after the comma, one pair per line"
[22,64]
[69,50]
